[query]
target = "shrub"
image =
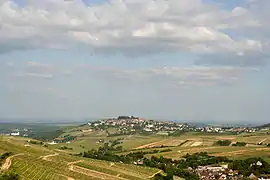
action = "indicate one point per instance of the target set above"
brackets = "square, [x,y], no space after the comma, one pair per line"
[241,144]
[9,176]
[223,143]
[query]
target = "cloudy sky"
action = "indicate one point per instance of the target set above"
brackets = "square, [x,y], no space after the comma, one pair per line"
[192,60]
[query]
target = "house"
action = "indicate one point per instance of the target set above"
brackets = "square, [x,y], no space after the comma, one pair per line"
[264,177]
[59,140]
[147,130]
[52,143]
[15,133]
[253,177]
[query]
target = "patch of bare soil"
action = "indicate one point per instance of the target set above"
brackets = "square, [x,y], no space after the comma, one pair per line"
[152,176]
[226,138]
[150,145]
[47,157]
[8,162]
[262,149]
[68,178]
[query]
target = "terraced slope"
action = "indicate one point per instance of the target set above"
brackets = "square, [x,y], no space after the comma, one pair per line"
[37,162]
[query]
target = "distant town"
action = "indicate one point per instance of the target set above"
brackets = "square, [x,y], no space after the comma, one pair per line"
[132,125]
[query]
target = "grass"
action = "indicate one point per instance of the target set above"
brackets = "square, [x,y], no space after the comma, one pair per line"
[124,168]
[31,166]
[110,171]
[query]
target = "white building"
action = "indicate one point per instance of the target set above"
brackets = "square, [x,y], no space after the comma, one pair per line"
[15,133]
[147,129]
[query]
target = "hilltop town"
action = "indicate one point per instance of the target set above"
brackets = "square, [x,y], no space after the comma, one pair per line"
[131,125]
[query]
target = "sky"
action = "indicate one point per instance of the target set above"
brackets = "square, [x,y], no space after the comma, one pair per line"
[189,60]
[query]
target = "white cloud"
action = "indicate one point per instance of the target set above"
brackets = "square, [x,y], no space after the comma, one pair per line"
[129,26]
[170,75]
[35,75]
[185,76]
[10,64]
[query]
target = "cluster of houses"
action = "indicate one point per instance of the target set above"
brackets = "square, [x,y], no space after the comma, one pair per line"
[131,124]
[16,132]
[223,173]
[236,130]
[216,173]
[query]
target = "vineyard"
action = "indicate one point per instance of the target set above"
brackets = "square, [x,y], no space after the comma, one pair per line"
[36,163]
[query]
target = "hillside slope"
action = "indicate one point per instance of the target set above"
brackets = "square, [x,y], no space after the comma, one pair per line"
[32,161]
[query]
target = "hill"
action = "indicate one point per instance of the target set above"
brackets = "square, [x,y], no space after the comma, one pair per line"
[99,151]
[264,126]
[36,161]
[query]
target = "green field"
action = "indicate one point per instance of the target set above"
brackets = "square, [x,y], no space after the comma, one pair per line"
[180,145]
[38,162]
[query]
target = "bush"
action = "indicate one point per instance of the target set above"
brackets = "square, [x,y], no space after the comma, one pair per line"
[35,142]
[5,155]
[9,176]
[223,143]
[65,148]
[240,144]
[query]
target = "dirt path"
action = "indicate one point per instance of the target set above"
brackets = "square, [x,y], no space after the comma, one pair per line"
[75,162]
[150,177]
[91,173]
[46,158]
[8,162]
[263,141]
[64,151]
[68,178]
[188,143]
[150,145]
[195,144]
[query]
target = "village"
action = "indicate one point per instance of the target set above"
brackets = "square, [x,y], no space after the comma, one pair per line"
[224,173]
[131,124]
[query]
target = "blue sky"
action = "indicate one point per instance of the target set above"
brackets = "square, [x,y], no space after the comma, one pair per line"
[189,60]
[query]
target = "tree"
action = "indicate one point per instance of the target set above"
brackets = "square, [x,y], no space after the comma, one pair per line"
[9,176]
[241,144]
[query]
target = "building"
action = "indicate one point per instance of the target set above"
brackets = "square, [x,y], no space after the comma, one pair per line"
[15,133]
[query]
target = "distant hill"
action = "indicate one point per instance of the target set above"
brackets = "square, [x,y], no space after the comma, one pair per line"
[264,126]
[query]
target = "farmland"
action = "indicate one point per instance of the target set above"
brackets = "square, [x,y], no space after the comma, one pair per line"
[180,145]
[38,162]
[33,159]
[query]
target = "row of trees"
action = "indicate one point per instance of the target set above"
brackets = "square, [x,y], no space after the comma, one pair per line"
[256,166]
[105,153]
[203,159]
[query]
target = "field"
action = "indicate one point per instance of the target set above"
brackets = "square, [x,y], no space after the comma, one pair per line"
[33,161]
[181,145]
[38,162]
